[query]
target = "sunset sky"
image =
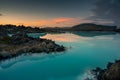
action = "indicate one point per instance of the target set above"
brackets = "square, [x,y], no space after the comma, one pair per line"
[46,12]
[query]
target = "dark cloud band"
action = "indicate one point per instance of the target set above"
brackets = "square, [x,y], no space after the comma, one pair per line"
[107,10]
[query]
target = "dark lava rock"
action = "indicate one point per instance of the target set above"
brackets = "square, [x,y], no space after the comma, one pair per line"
[20,38]
[111,73]
[22,44]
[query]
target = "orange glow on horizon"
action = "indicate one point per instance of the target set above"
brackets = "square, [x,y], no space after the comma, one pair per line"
[55,22]
[60,20]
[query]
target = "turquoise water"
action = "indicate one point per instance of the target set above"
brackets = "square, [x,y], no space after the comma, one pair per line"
[85,51]
[36,35]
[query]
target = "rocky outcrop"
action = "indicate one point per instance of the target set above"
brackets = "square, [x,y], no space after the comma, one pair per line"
[111,73]
[22,44]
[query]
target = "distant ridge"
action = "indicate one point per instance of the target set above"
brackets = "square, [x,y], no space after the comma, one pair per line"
[93,27]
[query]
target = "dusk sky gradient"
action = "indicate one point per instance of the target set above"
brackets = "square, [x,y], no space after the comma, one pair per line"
[46,12]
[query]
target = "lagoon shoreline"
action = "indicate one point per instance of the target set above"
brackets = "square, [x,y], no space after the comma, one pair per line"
[22,44]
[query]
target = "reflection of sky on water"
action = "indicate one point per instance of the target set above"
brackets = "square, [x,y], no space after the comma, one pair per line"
[65,37]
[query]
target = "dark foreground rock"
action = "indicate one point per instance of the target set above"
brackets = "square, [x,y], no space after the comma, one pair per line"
[22,44]
[111,73]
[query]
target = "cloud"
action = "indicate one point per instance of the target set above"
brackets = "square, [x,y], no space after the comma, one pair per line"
[65,21]
[107,11]
[61,20]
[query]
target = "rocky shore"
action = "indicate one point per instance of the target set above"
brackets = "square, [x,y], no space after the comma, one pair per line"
[13,29]
[112,71]
[22,44]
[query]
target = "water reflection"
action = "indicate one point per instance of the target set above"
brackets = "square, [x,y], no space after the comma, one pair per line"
[93,34]
[76,36]
[65,37]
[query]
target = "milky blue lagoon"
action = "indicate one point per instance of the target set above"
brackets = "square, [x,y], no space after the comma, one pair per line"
[85,51]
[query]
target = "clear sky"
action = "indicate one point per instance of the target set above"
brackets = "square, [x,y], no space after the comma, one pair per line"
[46,12]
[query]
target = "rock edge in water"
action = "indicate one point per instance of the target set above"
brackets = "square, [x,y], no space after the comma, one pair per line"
[22,44]
[112,71]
